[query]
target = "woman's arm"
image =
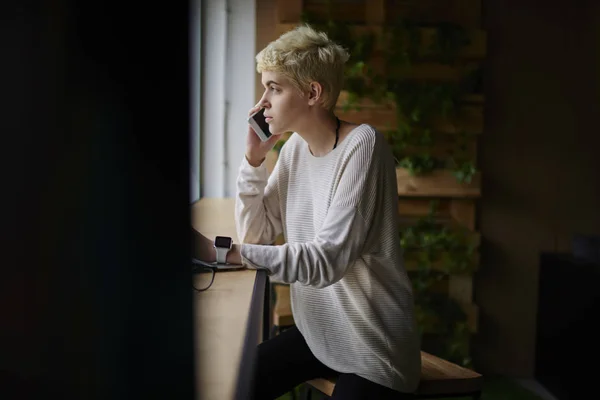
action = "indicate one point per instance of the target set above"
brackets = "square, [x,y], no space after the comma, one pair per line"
[204,250]
[257,209]
[341,239]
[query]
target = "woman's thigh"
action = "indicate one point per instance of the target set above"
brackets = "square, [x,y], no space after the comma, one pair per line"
[354,387]
[283,363]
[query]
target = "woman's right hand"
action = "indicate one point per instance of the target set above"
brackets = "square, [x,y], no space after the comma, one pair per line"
[256,149]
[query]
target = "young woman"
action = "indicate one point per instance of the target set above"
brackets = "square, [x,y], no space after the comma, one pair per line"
[333,195]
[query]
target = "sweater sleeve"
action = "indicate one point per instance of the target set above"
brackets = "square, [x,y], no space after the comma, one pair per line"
[340,241]
[257,211]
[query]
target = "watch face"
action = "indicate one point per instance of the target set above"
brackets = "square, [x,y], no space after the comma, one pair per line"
[223,241]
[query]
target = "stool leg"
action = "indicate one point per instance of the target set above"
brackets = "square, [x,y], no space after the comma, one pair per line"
[307,392]
[274,331]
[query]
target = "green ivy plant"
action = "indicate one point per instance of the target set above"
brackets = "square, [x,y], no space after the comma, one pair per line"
[417,104]
[418,164]
[436,312]
[464,171]
[430,242]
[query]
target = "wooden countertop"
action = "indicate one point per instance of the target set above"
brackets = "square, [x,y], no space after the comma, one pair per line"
[222,311]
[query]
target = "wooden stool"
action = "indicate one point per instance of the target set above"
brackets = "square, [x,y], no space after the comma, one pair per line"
[282,310]
[439,378]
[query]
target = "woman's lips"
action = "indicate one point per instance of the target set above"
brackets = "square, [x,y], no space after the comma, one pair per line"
[267,119]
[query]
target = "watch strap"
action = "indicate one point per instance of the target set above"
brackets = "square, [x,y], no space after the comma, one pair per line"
[222,254]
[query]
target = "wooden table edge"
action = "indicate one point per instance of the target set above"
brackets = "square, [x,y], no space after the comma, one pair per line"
[257,323]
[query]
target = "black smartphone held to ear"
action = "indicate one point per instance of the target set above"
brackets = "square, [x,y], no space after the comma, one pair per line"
[259,124]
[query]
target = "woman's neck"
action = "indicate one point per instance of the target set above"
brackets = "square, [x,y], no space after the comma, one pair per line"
[319,131]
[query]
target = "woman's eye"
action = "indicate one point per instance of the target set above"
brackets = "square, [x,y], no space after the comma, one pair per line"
[274,89]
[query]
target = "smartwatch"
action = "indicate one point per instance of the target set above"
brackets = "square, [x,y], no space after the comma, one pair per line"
[222,245]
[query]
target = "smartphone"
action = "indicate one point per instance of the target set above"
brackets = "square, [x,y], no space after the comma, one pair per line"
[260,126]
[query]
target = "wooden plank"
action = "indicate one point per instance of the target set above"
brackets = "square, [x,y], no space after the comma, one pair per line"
[476,48]
[460,288]
[438,378]
[358,29]
[430,71]
[412,264]
[469,119]
[343,11]
[414,207]
[456,287]
[282,311]
[463,211]
[374,12]
[410,209]
[443,148]
[289,10]
[472,312]
[472,238]
[367,103]
[408,221]
[472,319]
[466,13]
[474,98]
[323,385]
[436,183]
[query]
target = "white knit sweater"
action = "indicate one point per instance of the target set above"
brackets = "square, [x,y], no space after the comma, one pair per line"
[351,297]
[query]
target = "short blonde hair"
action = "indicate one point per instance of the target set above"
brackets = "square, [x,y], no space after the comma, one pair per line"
[304,55]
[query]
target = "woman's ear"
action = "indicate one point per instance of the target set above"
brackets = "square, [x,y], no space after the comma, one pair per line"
[314,95]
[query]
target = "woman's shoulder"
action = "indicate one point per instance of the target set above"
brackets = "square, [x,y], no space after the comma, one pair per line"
[365,135]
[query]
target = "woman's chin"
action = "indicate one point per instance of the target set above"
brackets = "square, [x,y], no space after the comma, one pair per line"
[275,131]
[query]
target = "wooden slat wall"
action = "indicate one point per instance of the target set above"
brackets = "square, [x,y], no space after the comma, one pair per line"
[352,11]
[469,119]
[466,13]
[475,50]
[289,11]
[457,202]
[437,183]
[375,12]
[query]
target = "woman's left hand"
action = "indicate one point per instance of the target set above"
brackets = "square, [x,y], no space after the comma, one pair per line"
[203,248]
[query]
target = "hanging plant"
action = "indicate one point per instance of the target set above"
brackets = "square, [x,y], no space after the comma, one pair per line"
[464,171]
[429,243]
[450,39]
[418,164]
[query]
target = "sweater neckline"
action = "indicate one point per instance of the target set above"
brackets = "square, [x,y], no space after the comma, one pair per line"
[333,152]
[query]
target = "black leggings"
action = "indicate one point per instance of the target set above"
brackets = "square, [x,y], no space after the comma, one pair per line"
[285,361]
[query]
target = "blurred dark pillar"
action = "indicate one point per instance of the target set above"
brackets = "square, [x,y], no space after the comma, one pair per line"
[95,299]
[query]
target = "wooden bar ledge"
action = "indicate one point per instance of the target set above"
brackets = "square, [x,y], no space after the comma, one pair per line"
[439,378]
